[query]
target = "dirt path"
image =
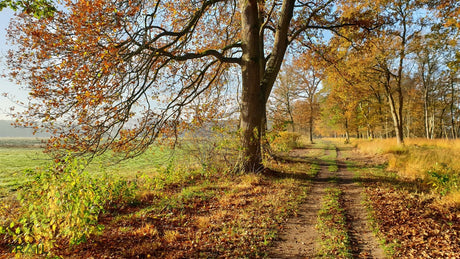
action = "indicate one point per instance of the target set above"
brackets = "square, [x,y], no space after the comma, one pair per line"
[299,238]
[363,241]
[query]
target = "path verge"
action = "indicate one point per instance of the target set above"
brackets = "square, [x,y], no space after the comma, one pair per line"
[364,244]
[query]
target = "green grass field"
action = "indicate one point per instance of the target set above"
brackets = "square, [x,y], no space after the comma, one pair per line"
[14,161]
[20,155]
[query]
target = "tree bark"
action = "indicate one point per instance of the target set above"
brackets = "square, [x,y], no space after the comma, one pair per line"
[310,118]
[425,109]
[397,121]
[452,109]
[347,134]
[258,76]
[252,99]
[396,113]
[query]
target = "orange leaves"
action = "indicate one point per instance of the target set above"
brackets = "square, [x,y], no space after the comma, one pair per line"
[102,61]
[419,228]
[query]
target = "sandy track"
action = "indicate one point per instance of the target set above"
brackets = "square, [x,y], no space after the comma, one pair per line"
[299,237]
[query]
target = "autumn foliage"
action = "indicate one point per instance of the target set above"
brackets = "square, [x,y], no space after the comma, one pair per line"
[105,74]
[116,75]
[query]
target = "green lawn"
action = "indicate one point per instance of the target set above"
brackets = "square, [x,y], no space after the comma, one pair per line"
[17,156]
[14,161]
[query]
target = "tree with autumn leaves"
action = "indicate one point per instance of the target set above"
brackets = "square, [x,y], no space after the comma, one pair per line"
[282,101]
[115,75]
[394,62]
[295,100]
[38,8]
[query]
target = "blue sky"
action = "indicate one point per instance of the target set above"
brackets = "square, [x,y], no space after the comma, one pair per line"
[5,85]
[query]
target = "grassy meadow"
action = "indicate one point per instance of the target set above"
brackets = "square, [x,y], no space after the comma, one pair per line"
[20,156]
[16,156]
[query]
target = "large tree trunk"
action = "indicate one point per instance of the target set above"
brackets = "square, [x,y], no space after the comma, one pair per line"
[251,125]
[252,99]
[258,76]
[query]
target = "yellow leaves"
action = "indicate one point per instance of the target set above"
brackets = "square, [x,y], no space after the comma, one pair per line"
[106,65]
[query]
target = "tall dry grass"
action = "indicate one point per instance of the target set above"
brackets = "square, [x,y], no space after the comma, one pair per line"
[436,162]
[417,156]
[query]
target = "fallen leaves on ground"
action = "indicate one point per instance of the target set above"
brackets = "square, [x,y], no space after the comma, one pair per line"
[225,218]
[414,222]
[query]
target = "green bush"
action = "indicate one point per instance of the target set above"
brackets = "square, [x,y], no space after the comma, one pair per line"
[63,202]
[443,178]
[284,141]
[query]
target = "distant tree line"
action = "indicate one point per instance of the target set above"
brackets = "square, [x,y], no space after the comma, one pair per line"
[401,80]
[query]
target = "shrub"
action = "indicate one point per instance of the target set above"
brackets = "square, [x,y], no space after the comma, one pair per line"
[63,202]
[213,149]
[443,179]
[284,140]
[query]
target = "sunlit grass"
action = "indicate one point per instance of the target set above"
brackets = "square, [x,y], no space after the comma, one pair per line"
[335,242]
[13,163]
[417,156]
[156,158]
[435,162]
[19,156]
[16,163]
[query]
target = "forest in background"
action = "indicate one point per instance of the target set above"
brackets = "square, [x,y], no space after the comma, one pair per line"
[403,80]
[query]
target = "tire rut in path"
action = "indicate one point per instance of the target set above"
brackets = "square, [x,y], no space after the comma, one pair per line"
[363,241]
[299,237]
